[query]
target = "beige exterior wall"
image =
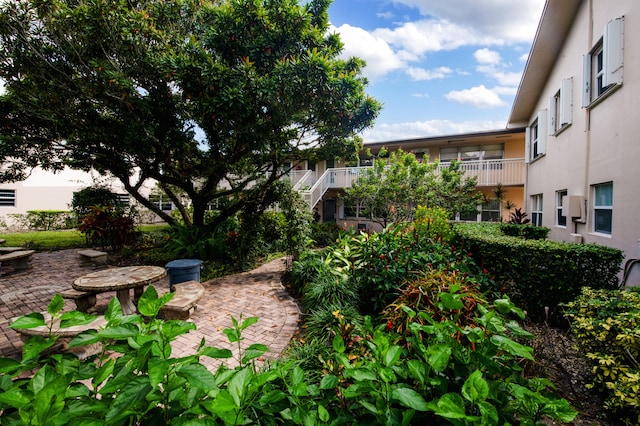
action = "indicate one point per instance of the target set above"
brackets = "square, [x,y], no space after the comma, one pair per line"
[602,144]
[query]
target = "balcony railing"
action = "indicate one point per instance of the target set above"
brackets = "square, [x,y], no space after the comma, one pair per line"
[488,172]
[493,172]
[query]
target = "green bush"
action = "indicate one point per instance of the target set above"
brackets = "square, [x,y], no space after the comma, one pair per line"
[325,234]
[106,226]
[45,220]
[606,324]
[528,232]
[539,273]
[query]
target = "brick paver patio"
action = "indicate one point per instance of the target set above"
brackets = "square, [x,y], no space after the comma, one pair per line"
[254,293]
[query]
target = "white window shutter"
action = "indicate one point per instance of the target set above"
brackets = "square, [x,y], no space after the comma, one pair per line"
[542,131]
[566,102]
[552,115]
[586,80]
[527,145]
[613,52]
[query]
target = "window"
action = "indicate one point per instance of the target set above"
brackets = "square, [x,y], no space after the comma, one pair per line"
[122,200]
[603,208]
[536,137]
[560,219]
[536,210]
[7,197]
[491,211]
[603,65]
[472,152]
[560,107]
[448,154]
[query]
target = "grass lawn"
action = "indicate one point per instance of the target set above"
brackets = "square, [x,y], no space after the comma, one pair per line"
[58,240]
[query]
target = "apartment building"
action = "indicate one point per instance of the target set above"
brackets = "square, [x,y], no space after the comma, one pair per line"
[494,158]
[579,99]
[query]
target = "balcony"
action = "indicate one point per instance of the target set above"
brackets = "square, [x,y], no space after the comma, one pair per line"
[507,172]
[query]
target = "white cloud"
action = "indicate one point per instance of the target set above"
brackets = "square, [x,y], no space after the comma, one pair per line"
[487,56]
[427,128]
[420,74]
[380,58]
[420,95]
[524,57]
[478,96]
[500,19]
[502,77]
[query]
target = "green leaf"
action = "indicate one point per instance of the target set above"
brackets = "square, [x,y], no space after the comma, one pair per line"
[232,335]
[121,332]
[114,311]
[32,320]
[197,375]
[16,398]
[329,382]
[212,352]
[248,322]
[253,352]
[409,398]
[56,305]
[103,372]
[323,414]
[338,344]
[475,388]
[451,301]
[272,397]
[157,369]
[88,337]
[512,347]
[126,401]
[489,413]
[438,356]
[238,385]
[392,355]
[73,318]
[450,406]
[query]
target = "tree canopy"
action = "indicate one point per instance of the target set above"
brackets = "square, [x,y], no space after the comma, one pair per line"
[392,189]
[208,98]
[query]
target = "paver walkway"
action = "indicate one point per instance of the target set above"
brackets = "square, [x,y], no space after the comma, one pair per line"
[254,293]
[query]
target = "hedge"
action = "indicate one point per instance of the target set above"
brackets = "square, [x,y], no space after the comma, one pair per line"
[539,274]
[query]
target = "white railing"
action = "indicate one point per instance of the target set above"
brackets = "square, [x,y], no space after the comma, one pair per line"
[493,172]
[342,177]
[301,179]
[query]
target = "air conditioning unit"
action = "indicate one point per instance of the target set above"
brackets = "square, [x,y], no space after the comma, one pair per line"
[575,207]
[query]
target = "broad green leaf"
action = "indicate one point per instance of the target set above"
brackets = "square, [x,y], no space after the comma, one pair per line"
[48,402]
[103,372]
[238,385]
[232,335]
[296,375]
[56,305]
[417,370]
[361,374]
[73,318]
[32,320]
[369,406]
[88,337]
[114,311]
[438,356]
[16,398]
[197,375]
[212,352]
[8,365]
[120,332]
[392,355]
[253,352]
[450,406]
[248,322]
[512,347]
[409,398]
[126,401]
[503,306]
[36,345]
[157,370]
[451,301]
[475,388]
[323,414]
[272,397]
[329,382]
[560,410]
[489,413]
[338,344]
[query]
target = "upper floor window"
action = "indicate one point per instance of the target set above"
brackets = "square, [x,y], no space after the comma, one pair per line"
[536,137]
[536,210]
[560,107]
[7,197]
[472,152]
[603,208]
[603,65]
[561,220]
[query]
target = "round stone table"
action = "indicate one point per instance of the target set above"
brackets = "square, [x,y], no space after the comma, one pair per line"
[120,280]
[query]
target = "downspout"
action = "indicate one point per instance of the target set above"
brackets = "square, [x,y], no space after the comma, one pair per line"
[587,156]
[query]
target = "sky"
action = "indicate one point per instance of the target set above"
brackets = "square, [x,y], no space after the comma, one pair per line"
[438,66]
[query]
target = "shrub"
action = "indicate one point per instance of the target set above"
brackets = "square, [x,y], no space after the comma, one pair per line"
[528,232]
[324,234]
[108,227]
[539,273]
[433,223]
[606,324]
[44,220]
[329,289]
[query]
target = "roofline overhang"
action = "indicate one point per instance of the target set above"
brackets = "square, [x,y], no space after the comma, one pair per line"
[555,23]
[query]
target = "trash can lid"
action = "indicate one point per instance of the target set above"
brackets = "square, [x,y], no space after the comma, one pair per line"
[183,263]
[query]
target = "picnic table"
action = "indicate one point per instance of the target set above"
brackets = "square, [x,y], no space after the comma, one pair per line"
[121,280]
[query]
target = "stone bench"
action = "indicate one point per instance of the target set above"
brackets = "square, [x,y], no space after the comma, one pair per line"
[94,257]
[65,333]
[85,301]
[183,304]
[18,259]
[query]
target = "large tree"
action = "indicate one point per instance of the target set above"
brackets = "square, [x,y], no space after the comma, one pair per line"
[210,98]
[392,189]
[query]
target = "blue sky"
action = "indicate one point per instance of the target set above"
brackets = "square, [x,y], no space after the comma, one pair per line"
[438,66]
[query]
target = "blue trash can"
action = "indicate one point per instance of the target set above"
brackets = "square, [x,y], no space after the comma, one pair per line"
[182,270]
